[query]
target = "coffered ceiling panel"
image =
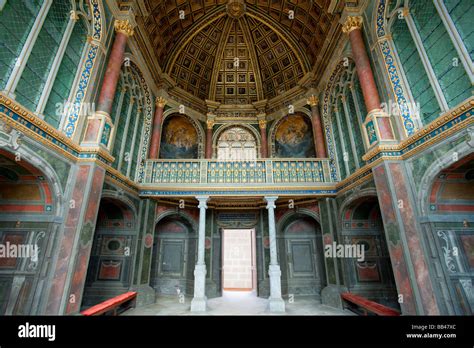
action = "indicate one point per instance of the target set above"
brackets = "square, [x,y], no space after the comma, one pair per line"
[275,42]
[192,70]
[280,69]
[164,25]
[308,23]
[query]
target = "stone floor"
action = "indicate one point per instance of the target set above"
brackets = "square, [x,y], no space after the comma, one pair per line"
[235,303]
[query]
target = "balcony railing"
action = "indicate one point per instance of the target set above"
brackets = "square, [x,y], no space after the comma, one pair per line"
[258,172]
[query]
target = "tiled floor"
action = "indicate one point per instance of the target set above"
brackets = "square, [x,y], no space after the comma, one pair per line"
[235,303]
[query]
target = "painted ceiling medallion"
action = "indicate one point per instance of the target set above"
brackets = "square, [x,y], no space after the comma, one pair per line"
[236,8]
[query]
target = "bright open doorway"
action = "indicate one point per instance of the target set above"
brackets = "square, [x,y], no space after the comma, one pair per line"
[238,261]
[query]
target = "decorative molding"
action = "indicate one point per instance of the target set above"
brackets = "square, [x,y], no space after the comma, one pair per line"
[72,117]
[392,70]
[452,121]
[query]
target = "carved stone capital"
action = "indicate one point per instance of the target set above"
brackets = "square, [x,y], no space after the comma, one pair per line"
[313,101]
[124,26]
[210,124]
[160,102]
[352,23]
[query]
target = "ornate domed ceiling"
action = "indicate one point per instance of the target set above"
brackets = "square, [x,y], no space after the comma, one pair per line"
[237,52]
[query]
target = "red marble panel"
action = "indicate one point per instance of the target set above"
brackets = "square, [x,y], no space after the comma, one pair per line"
[414,245]
[397,258]
[67,242]
[110,270]
[92,130]
[468,246]
[385,128]
[82,262]
[12,239]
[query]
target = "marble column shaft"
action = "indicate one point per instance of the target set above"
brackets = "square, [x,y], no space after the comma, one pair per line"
[154,152]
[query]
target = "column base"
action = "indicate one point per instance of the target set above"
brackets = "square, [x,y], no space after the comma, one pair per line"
[276,303]
[199,304]
[98,130]
[378,129]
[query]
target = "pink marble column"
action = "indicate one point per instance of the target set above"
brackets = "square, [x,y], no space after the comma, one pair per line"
[154,152]
[318,134]
[263,135]
[109,84]
[97,121]
[353,27]
[210,125]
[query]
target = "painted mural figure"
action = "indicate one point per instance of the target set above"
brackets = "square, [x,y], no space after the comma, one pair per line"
[294,138]
[179,139]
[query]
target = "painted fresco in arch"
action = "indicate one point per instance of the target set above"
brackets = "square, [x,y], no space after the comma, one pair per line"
[179,139]
[294,137]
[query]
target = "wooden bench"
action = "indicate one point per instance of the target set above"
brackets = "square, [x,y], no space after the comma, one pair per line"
[364,306]
[114,306]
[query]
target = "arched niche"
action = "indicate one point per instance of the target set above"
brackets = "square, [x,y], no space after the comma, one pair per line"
[371,276]
[292,137]
[174,255]
[302,269]
[180,138]
[112,256]
[30,208]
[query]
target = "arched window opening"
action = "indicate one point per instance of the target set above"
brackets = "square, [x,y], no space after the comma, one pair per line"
[236,144]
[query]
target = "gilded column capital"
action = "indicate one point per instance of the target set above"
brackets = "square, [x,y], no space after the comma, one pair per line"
[124,26]
[262,124]
[210,124]
[160,102]
[73,15]
[352,23]
[313,101]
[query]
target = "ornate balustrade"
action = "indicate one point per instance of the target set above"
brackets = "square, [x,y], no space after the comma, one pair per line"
[220,173]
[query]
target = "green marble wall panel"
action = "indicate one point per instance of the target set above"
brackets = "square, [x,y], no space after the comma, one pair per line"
[415,72]
[346,138]
[462,13]
[16,21]
[120,128]
[39,63]
[440,49]
[66,73]
[359,143]
[337,142]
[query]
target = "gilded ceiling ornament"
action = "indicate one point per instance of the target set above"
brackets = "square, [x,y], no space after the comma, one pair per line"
[236,8]
[352,23]
[160,102]
[124,27]
[313,100]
